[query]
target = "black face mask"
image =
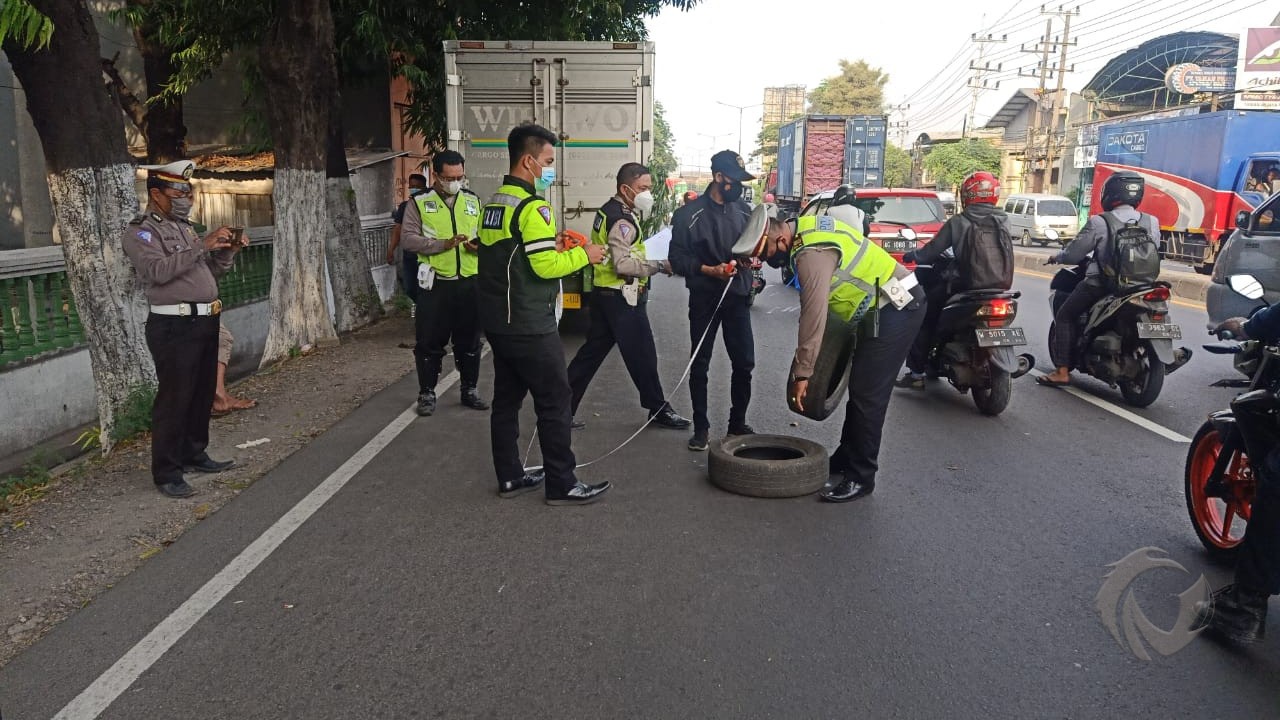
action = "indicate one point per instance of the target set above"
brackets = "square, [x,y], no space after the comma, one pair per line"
[778,259]
[731,190]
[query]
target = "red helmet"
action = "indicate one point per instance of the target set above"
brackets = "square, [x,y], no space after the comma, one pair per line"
[980,187]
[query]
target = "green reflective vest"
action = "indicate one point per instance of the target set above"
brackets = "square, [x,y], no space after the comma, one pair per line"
[443,222]
[611,213]
[862,265]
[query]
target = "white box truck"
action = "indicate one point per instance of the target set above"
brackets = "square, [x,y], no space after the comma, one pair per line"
[597,96]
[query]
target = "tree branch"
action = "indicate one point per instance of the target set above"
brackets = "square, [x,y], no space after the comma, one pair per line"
[135,109]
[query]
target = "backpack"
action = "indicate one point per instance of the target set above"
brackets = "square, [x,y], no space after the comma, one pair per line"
[985,257]
[1135,255]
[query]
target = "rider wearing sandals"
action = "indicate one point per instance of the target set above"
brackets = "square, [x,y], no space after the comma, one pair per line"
[1238,611]
[1121,196]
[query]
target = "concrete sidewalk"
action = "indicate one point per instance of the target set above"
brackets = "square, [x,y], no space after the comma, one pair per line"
[1187,286]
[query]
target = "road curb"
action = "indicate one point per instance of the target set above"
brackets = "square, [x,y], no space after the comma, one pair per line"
[1187,286]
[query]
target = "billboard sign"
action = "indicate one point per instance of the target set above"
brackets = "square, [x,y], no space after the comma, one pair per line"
[1259,67]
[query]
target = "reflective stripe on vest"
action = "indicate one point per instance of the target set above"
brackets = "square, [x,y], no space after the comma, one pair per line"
[862,265]
[445,222]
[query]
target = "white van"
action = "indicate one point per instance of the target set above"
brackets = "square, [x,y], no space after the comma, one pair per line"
[1030,215]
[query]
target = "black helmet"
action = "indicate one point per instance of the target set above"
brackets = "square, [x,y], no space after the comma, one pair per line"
[844,195]
[1123,188]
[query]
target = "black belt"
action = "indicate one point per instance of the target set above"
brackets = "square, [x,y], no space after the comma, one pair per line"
[614,291]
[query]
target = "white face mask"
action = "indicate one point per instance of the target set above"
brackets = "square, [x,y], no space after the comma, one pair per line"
[453,187]
[643,202]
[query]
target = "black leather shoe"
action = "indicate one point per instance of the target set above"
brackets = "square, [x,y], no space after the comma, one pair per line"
[1236,613]
[741,429]
[208,465]
[847,491]
[426,403]
[471,399]
[667,418]
[176,489]
[577,424]
[580,494]
[530,481]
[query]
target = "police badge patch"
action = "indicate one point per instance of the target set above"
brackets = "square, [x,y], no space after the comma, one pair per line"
[545,212]
[144,236]
[626,231]
[826,223]
[472,208]
[431,206]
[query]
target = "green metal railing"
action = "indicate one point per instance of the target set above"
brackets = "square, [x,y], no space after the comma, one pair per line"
[39,316]
[249,280]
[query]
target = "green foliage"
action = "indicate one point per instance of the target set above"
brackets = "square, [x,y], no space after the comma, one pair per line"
[767,141]
[857,90]
[91,438]
[134,416]
[16,490]
[27,27]
[662,164]
[897,167]
[952,162]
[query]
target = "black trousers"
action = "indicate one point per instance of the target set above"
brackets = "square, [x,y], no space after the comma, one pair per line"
[185,351]
[1258,565]
[524,365]
[409,267]
[614,322]
[875,367]
[447,314]
[735,316]
[1066,330]
[936,294]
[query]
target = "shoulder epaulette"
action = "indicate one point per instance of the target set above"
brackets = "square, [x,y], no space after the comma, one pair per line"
[137,219]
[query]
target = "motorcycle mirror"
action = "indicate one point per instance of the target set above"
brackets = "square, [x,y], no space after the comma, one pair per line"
[907,234]
[1246,285]
[1050,234]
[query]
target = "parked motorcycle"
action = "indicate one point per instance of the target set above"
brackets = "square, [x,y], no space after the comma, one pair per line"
[1219,481]
[974,340]
[1126,339]
[757,280]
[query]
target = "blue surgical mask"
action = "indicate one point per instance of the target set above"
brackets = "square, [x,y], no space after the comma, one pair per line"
[548,177]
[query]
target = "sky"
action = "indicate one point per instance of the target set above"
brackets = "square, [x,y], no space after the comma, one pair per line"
[728,51]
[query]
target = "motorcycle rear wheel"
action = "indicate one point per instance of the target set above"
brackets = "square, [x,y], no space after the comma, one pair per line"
[1214,518]
[1146,389]
[994,399]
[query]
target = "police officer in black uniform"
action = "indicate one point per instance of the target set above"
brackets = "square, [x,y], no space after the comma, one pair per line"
[521,260]
[178,269]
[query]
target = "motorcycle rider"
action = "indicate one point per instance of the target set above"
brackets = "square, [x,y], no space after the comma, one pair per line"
[1121,196]
[980,193]
[1239,611]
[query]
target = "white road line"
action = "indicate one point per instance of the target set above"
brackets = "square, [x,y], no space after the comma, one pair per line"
[1123,414]
[112,683]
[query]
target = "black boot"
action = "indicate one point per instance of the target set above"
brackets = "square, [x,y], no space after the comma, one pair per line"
[1236,613]
[426,403]
[471,398]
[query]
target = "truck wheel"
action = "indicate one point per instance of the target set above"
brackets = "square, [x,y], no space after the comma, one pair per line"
[1204,268]
[830,377]
[768,466]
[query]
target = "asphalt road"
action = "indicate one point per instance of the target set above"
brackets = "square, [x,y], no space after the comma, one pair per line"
[964,587]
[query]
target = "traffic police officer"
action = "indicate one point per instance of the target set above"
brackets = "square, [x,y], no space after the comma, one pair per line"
[520,268]
[442,227]
[178,269]
[620,298]
[841,271]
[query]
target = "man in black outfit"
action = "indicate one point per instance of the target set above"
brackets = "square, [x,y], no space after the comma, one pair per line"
[703,233]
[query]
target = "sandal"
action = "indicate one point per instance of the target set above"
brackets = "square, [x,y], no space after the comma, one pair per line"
[1046,382]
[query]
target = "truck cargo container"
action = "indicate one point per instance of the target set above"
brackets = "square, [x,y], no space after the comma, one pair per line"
[1200,171]
[820,152]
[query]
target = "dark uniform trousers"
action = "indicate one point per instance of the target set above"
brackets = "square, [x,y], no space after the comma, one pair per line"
[735,316]
[1258,565]
[524,365]
[185,351]
[875,368]
[614,322]
[447,313]
[1066,328]
[409,269]
[936,293]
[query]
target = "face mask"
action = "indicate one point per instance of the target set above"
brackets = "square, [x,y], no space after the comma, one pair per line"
[643,202]
[731,190]
[453,187]
[180,208]
[548,177]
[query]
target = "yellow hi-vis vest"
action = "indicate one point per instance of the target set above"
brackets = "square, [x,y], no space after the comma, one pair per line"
[611,213]
[445,222]
[863,265]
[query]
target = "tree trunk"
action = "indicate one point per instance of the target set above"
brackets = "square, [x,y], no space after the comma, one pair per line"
[91,183]
[298,71]
[164,128]
[355,298]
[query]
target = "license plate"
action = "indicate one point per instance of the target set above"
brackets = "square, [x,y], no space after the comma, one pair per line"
[1001,337]
[572,301]
[1159,330]
[901,246]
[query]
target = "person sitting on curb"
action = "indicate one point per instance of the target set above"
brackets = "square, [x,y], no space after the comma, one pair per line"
[223,401]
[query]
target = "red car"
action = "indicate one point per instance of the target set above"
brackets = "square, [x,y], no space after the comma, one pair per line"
[890,210]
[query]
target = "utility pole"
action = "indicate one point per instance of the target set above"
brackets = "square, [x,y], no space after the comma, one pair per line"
[1033,145]
[741,109]
[901,125]
[981,68]
[1050,145]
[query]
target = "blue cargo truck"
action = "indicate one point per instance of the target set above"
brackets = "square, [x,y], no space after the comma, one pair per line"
[819,152]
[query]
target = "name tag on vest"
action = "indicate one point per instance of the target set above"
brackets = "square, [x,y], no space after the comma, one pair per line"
[492,218]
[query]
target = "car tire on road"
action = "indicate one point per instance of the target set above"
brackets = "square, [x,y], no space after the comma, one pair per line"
[768,466]
[830,377]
